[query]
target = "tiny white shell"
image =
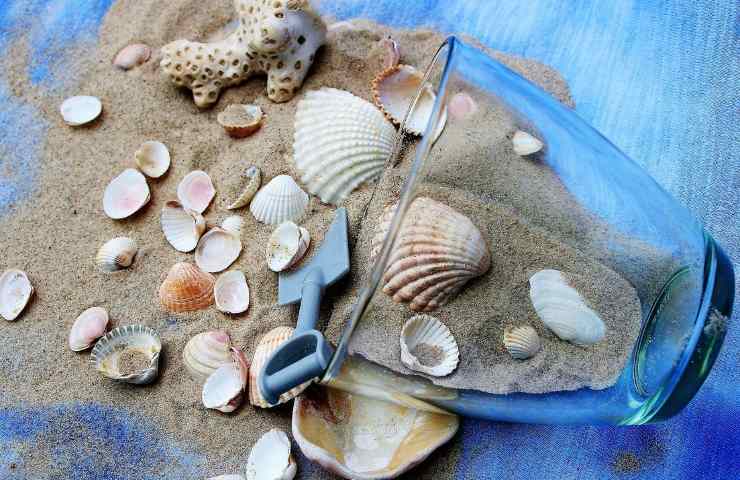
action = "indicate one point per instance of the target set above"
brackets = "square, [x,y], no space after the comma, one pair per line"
[88,327]
[427,332]
[239,120]
[132,55]
[253,177]
[224,389]
[80,110]
[270,458]
[15,292]
[217,249]
[525,144]
[232,292]
[116,254]
[286,246]
[205,352]
[107,352]
[182,227]
[522,342]
[279,201]
[125,194]
[196,191]
[233,224]
[153,159]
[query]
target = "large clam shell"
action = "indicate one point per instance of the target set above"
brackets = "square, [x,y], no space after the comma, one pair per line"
[427,346]
[232,292]
[217,249]
[525,144]
[286,246]
[253,177]
[239,120]
[182,227]
[116,254]
[80,109]
[205,352]
[270,458]
[436,252]
[279,201]
[15,293]
[341,141]
[108,353]
[88,327]
[522,342]
[125,194]
[153,159]
[195,191]
[224,388]
[186,288]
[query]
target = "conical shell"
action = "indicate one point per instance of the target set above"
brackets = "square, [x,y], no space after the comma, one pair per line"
[116,254]
[436,252]
[153,159]
[107,354]
[525,144]
[196,191]
[80,110]
[427,346]
[522,342]
[270,458]
[231,292]
[132,55]
[15,293]
[224,389]
[186,288]
[279,201]
[562,309]
[240,121]
[341,141]
[88,327]
[205,352]
[217,249]
[253,177]
[182,227]
[125,194]
[233,225]
[286,246]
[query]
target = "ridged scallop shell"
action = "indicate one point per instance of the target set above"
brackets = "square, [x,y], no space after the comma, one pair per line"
[186,288]
[286,246]
[153,159]
[522,342]
[116,254]
[80,110]
[181,227]
[224,389]
[205,352]
[107,352]
[217,249]
[195,191]
[15,293]
[428,333]
[239,120]
[125,194]
[88,327]
[436,252]
[253,177]
[279,201]
[132,55]
[270,458]
[562,309]
[525,144]
[341,141]
[232,292]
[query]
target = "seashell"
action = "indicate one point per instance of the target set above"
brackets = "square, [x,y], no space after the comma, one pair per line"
[241,121]
[270,458]
[112,353]
[80,110]
[182,227]
[232,292]
[15,293]
[522,342]
[253,177]
[217,249]
[392,52]
[358,437]
[437,250]
[525,144]
[125,194]
[341,141]
[89,326]
[287,245]
[233,224]
[224,389]
[132,56]
[562,309]
[279,201]
[116,254]
[462,106]
[205,352]
[153,159]
[427,346]
[268,344]
[196,191]
[186,288]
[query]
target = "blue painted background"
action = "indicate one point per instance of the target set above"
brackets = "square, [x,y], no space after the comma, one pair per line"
[659,78]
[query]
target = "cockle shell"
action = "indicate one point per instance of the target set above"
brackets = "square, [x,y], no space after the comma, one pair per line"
[233,224]
[15,293]
[132,338]
[279,201]
[80,110]
[196,191]
[89,326]
[436,251]
[153,159]
[125,194]
[522,342]
[182,227]
[562,309]
[239,120]
[270,458]
[253,177]
[286,246]
[205,352]
[186,288]
[224,388]
[525,144]
[116,254]
[132,56]
[341,141]
[427,346]
[232,292]
[217,249]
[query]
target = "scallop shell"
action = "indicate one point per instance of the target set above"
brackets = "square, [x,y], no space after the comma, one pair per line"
[270,458]
[217,249]
[232,292]
[186,288]
[436,252]
[116,254]
[182,227]
[253,177]
[15,293]
[224,389]
[153,159]
[522,342]
[525,144]
[80,110]
[562,309]
[279,201]
[341,141]
[137,338]
[132,56]
[125,194]
[196,191]
[286,246]
[88,327]
[205,352]
[239,120]
[233,224]
[425,331]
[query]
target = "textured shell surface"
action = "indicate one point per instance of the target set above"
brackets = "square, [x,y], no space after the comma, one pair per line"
[15,293]
[286,246]
[525,144]
[563,310]
[424,333]
[125,194]
[153,158]
[231,292]
[437,250]
[253,179]
[270,458]
[87,328]
[195,191]
[341,141]
[240,120]
[132,56]
[217,249]
[279,201]
[80,109]
[205,352]
[187,288]
[224,389]
[116,254]
[181,227]
[140,339]
[522,342]
[233,224]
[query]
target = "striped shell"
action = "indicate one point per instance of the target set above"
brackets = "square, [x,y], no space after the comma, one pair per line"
[107,352]
[522,342]
[186,288]
[279,201]
[428,334]
[253,178]
[205,352]
[182,227]
[116,254]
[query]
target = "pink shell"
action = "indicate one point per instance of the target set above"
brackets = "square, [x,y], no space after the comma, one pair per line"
[462,106]
[89,326]
[132,55]
[196,191]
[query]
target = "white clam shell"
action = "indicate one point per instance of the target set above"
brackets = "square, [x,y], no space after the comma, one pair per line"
[427,332]
[253,177]
[224,389]
[217,249]
[233,224]
[153,159]
[181,227]
[125,194]
[525,144]
[205,352]
[279,201]
[286,246]
[15,293]
[270,458]
[88,327]
[80,110]
[132,55]
[116,254]
[195,191]
[522,342]
[107,352]
[562,309]
[231,292]
[341,141]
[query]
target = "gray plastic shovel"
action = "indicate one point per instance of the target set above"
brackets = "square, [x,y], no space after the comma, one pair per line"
[307,354]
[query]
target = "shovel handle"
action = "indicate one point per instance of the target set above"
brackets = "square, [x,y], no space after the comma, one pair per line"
[313,288]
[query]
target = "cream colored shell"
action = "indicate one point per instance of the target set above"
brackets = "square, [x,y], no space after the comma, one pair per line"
[153,159]
[522,342]
[116,254]
[270,458]
[195,191]
[279,201]
[181,227]
[427,332]
[525,144]
[231,292]
[286,246]
[15,293]
[224,389]
[253,178]
[205,352]
[125,194]
[107,352]
[87,328]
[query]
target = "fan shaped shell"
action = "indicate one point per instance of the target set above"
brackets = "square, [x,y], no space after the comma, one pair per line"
[88,327]
[253,178]
[224,389]
[181,227]
[286,246]
[80,109]
[217,249]
[116,254]
[153,159]
[15,293]
[205,352]
[427,346]
[186,288]
[232,292]
[125,194]
[139,339]
[279,201]
[233,224]
[522,342]
[196,191]
[270,458]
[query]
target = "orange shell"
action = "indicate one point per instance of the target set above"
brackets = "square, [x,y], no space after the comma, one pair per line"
[186,288]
